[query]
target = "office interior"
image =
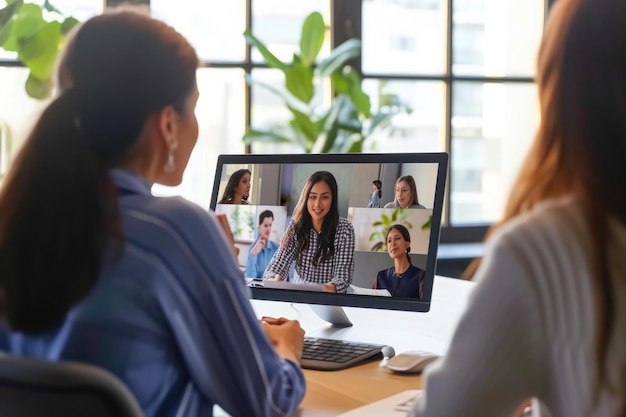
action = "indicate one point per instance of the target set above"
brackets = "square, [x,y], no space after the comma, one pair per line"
[465,68]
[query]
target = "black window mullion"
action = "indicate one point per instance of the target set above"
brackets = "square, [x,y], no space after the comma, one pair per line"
[346,23]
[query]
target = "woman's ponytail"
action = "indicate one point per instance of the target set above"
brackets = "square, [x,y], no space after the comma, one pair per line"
[52,221]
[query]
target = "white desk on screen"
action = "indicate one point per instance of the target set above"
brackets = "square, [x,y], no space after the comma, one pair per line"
[332,393]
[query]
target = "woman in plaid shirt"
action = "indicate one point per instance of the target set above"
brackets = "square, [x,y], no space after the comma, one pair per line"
[319,241]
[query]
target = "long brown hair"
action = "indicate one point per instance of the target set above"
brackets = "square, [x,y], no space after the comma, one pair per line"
[580,145]
[58,207]
[231,186]
[410,181]
[302,222]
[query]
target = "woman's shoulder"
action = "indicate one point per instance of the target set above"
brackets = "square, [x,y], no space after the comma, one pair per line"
[344,223]
[391,204]
[550,230]
[171,213]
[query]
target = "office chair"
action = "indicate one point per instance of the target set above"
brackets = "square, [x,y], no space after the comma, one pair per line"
[33,387]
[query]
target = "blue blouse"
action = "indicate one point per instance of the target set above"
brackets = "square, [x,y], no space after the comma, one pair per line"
[171,317]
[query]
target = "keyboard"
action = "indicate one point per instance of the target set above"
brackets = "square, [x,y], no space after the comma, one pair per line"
[332,355]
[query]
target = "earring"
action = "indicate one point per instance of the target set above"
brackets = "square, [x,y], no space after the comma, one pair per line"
[169,165]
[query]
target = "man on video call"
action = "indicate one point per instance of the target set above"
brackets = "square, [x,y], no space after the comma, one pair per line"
[262,250]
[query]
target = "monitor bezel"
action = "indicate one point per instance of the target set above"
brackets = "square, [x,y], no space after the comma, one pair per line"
[352,300]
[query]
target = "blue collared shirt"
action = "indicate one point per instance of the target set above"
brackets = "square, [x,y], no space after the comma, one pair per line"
[255,267]
[171,317]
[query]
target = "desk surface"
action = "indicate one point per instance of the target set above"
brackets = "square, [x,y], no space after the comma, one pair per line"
[331,393]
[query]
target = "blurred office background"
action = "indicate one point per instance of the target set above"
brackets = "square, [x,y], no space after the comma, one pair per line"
[466,67]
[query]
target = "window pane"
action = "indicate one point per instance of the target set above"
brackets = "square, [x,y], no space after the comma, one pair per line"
[17,110]
[80,9]
[420,131]
[278,24]
[492,127]
[403,36]
[220,113]
[496,37]
[214,28]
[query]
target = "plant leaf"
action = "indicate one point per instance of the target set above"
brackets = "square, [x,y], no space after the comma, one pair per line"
[299,81]
[258,135]
[324,142]
[303,123]
[354,146]
[270,58]
[312,38]
[68,24]
[340,83]
[6,19]
[360,99]
[284,95]
[378,119]
[339,56]
[39,52]
[37,88]
[28,21]
[49,7]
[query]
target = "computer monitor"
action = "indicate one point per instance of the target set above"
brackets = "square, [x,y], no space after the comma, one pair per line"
[276,182]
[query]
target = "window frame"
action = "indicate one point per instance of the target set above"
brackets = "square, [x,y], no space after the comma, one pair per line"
[346,23]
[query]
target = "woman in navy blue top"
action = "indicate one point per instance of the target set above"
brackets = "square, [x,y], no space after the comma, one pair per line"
[94,268]
[403,279]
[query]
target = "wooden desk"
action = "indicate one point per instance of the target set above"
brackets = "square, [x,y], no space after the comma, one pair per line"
[332,393]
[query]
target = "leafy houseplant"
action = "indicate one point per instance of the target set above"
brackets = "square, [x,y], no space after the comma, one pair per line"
[37,33]
[379,236]
[381,227]
[342,126]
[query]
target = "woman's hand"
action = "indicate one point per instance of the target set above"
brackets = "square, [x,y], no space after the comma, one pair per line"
[329,288]
[276,278]
[286,335]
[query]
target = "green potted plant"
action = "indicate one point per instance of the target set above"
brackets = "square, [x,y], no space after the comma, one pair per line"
[36,32]
[347,121]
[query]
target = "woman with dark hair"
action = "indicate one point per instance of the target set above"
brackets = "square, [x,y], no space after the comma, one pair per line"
[376,194]
[319,241]
[403,279]
[547,319]
[405,194]
[93,268]
[238,188]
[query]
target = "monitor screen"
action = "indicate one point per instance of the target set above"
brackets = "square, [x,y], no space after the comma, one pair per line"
[259,196]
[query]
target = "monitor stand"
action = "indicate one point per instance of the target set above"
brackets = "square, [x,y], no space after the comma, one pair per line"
[335,315]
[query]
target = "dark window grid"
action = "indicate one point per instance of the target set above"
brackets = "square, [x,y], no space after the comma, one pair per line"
[346,23]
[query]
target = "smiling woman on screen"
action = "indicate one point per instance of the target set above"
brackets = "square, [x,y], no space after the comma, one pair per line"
[318,241]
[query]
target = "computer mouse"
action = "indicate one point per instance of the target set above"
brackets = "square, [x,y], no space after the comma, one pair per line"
[413,361]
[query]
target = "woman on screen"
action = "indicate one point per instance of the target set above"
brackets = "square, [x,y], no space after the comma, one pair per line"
[376,194]
[403,279]
[319,241]
[238,188]
[547,318]
[405,194]
[95,269]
